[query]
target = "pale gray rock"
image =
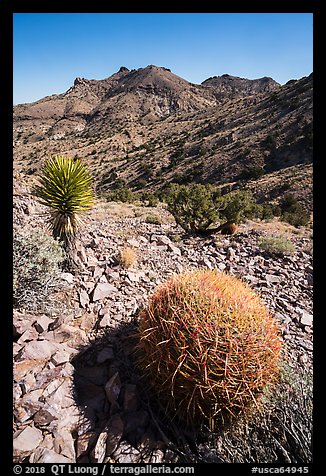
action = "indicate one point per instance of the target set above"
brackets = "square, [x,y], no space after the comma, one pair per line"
[27,440]
[28,335]
[60,357]
[68,277]
[46,455]
[306,318]
[103,290]
[38,349]
[272,278]
[133,242]
[64,444]
[83,298]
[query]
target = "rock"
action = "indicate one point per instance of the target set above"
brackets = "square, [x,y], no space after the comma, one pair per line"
[221,266]
[157,456]
[251,279]
[133,242]
[38,349]
[42,323]
[113,387]
[206,262]
[68,277]
[46,455]
[25,366]
[60,357]
[99,451]
[28,335]
[306,319]
[87,321]
[27,440]
[64,444]
[174,249]
[131,400]
[103,290]
[105,354]
[83,298]
[105,320]
[272,278]
[83,442]
[125,453]
[22,322]
[115,429]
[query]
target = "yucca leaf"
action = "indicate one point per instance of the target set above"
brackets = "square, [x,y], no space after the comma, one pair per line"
[65,186]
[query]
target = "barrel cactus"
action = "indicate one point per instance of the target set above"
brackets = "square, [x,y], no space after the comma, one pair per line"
[207,347]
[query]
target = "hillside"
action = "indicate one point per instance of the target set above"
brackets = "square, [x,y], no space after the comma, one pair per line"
[149,127]
[79,396]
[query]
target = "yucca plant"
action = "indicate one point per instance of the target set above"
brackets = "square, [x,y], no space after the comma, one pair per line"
[65,187]
[207,347]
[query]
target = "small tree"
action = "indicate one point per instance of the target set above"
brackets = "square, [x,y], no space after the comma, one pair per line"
[238,206]
[65,187]
[194,207]
[197,207]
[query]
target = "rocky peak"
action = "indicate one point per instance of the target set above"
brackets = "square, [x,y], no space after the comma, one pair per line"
[226,84]
[123,69]
[79,80]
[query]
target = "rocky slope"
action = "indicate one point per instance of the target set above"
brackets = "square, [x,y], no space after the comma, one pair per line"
[77,395]
[149,127]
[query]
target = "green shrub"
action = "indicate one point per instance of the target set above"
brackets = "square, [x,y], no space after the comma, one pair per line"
[292,211]
[153,219]
[276,245]
[238,205]
[150,199]
[252,173]
[194,207]
[36,268]
[124,195]
[207,347]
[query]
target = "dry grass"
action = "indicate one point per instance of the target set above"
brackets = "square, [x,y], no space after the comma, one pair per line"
[274,227]
[128,257]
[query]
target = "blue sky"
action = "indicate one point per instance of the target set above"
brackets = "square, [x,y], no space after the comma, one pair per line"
[52,49]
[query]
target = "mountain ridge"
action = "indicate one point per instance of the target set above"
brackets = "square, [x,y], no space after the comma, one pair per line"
[149,127]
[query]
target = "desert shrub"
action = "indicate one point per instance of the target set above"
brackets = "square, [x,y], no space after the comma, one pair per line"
[270,142]
[153,219]
[207,347]
[239,205]
[196,207]
[281,431]
[128,257]
[276,245]
[193,207]
[252,173]
[269,211]
[36,268]
[124,195]
[150,199]
[292,211]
